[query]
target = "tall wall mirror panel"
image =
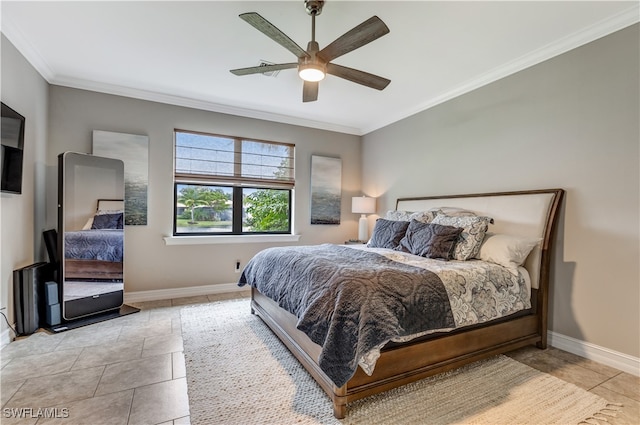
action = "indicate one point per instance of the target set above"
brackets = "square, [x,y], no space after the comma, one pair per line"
[91,229]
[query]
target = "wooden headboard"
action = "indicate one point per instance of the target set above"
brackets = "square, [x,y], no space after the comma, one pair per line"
[531,213]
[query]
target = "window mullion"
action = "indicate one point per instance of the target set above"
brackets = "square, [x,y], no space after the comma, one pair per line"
[237,210]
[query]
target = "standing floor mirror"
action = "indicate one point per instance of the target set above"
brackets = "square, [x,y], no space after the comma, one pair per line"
[91,234]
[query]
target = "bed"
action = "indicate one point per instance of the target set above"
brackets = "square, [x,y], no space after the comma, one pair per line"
[513,216]
[95,252]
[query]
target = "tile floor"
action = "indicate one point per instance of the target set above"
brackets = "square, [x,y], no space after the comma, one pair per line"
[131,371]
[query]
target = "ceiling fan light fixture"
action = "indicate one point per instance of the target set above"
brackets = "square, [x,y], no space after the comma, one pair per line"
[311,72]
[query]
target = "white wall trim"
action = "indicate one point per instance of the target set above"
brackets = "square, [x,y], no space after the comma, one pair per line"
[227,239]
[191,291]
[621,361]
[6,337]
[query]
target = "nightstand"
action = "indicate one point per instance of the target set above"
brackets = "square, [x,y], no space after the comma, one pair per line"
[355,242]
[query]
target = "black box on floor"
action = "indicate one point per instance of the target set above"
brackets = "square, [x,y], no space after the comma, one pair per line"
[53,314]
[28,296]
[51,293]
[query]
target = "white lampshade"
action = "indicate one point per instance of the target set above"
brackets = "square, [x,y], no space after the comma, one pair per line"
[363,205]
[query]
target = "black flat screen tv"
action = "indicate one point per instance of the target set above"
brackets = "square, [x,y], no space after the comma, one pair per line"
[12,134]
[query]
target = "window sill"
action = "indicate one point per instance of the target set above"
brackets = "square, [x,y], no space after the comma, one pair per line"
[223,239]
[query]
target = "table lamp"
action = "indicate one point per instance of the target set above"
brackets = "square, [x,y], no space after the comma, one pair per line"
[363,205]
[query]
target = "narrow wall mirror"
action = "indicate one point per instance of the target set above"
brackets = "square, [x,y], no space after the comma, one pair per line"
[90,225]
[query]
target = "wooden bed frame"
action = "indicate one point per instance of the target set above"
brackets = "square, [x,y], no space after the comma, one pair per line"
[525,213]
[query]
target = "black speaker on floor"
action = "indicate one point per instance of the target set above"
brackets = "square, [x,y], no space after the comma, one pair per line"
[28,296]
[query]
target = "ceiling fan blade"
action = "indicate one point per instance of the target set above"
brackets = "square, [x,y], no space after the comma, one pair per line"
[356,76]
[368,31]
[310,91]
[271,31]
[261,69]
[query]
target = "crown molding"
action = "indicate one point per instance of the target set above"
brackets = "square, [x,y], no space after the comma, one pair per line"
[601,29]
[203,105]
[617,22]
[24,46]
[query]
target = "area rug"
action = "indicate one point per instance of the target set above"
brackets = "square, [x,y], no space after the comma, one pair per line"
[238,372]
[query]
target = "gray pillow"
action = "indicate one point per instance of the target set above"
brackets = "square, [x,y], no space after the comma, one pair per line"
[107,221]
[387,233]
[473,231]
[430,240]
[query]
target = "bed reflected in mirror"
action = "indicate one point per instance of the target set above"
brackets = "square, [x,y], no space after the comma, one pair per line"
[91,221]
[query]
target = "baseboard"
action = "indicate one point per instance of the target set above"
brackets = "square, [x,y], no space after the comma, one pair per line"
[6,337]
[191,291]
[621,361]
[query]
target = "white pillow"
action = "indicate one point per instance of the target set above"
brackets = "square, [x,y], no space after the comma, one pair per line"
[506,250]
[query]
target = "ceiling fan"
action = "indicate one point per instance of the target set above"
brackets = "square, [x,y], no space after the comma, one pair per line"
[313,64]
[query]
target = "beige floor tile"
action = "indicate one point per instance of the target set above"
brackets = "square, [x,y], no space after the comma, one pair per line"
[179,367]
[100,355]
[19,417]
[165,313]
[135,373]
[40,365]
[630,412]
[544,361]
[625,384]
[200,299]
[153,328]
[160,402]
[578,375]
[110,409]
[89,335]
[149,305]
[37,343]
[161,344]
[52,390]
[8,389]
[581,361]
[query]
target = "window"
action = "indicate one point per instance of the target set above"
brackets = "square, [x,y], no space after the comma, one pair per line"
[231,186]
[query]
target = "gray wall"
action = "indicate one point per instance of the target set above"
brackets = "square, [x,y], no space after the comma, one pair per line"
[22,216]
[570,122]
[149,263]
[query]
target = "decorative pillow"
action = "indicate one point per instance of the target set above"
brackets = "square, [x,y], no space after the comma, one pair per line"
[429,240]
[387,233]
[473,231]
[456,212]
[107,221]
[422,216]
[506,250]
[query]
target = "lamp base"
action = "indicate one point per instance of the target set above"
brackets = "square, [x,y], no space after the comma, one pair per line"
[363,229]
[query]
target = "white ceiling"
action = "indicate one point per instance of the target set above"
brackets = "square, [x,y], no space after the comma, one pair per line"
[181,52]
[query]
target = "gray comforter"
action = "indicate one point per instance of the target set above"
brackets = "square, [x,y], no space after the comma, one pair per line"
[349,301]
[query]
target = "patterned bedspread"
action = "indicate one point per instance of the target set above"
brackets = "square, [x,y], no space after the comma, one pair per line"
[352,302]
[104,245]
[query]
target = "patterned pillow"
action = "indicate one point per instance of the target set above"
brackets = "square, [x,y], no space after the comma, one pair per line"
[430,240]
[387,233]
[473,231]
[422,216]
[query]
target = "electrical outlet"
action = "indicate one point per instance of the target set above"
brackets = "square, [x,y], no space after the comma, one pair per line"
[237,266]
